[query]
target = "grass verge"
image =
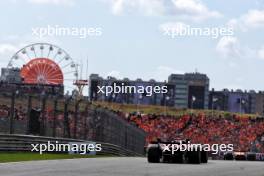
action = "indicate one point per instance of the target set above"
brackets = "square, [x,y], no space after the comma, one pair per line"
[27,156]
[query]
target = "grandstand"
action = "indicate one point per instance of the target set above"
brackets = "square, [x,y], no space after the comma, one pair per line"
[245,131]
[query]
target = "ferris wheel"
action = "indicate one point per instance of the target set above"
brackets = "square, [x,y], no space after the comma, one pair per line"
[44,63]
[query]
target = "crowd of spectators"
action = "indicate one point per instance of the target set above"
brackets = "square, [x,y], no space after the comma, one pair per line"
[4,111]
[20,117]
[19,112]
[245,133]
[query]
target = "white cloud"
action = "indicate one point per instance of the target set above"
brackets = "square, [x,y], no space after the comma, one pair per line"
[252,19]
[117,7]
[53,2]
[194,9]
[229,47]
[148,7]
[191,9]
[236,24]
[7,48]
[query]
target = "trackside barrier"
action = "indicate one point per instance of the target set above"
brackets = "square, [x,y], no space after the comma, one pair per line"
[16,142]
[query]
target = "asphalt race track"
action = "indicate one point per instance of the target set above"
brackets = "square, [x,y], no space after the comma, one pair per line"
[128,167]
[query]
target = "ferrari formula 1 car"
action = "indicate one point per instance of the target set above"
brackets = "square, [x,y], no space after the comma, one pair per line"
[166,152]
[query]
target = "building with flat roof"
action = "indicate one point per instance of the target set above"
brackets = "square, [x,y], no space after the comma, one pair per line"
[237,101]
[135,97]
[190,90]
[10,75]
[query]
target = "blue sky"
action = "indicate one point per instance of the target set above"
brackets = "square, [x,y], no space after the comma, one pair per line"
[132,43]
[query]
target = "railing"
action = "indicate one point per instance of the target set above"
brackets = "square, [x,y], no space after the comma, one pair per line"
[18,143]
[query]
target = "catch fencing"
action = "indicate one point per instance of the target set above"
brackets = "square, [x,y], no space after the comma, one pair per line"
[67,117]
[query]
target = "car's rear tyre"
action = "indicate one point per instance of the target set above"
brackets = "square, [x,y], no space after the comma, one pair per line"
[204,157]
[153,155]
[228,157]
[251,157]
[194,157]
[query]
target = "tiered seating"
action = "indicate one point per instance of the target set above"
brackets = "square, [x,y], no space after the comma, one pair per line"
[240,131]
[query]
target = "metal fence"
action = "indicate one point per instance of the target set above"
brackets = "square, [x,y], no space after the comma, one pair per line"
[66,117]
